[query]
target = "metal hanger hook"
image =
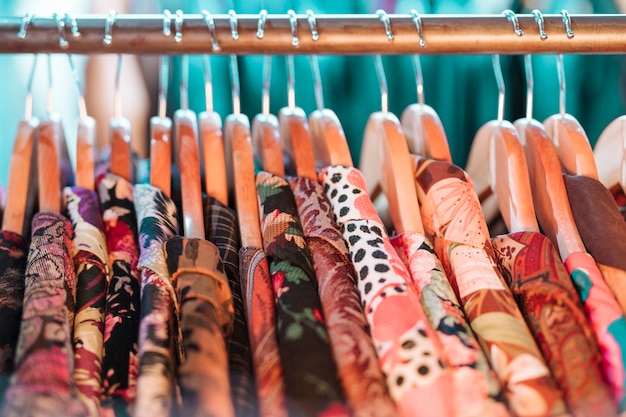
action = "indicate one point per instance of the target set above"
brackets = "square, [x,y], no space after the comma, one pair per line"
[417,65]
[267,76]
[108,27]
[178,26]
[567,21]
[234,66]
[497,69]
[210,24]
[73,24]
[293,23]
[512,17]
[63,43]
[528,67]
[539,19]
[26,21]
[382,83]
[28,111]
[234,32]
[167,22]
[315,66]
[315,35]
[415,17]
[384,18]
[260,31]
[164,75]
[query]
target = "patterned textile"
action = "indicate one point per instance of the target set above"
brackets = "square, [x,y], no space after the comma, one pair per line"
[478,391]
[620,199]
[545,294]
[312,385]
[221,229]
[121,323]
[361,377]
[453,221]
[89,253]
[42,383]
[258,295]
[606,319]
[409,352]
[159,338]
[207,314]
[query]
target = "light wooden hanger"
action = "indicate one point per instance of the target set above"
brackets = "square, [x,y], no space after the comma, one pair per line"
[610,155]
[188,156]
[386,154]
[330,146]
[161,137]
[22,181]
[292,121]
[571,142]
[421,125]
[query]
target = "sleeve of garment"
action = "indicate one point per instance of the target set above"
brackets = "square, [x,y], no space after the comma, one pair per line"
[361,377]
[453,220]
[546,296]
[121,322]
[160,345]
[409,352]
[311,381]
[43,380]
[207,313]
[89,253]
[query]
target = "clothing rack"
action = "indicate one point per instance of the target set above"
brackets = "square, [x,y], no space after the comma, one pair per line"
[338,35]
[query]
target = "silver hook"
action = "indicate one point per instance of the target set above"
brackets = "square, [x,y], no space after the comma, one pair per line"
[267,75]
[63,43]
[512,17]
[234,32]
[184,82]
[73,24]
[497,69]
[50,101]
[540,23]
[291,83]
[208,83]
[82,106]
[167,22]
[562,87]
[419,79]
[210,23]
[384,18]
[567,21]
[528,66]
[28,111]
[178,26]
[108,27]
[26,21]
[117,95]
[260,31]
[164,75]
[293,22]
[315,35]
[382,82]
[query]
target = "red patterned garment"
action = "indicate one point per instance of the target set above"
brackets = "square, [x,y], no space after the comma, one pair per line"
[556,317]
[361,377]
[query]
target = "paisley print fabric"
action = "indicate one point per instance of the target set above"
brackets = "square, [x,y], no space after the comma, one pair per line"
[361,377]
[159,338]
[478,391]
[221,229]
[409,352]
[454,222]
[545,294]
[207,315]
[312,385]
[121,323]
[258,296]
[89,253]
[42,383]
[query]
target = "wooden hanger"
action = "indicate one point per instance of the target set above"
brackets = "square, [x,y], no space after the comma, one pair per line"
[188,159]
[215,180]
[22,180]
[385,159]
[160,138]
[119,134]
[610,155]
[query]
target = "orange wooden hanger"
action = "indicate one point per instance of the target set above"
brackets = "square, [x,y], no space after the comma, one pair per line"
[188,161]
[266,143]
[22,181]
[119,134]
[421,124]
[160,137]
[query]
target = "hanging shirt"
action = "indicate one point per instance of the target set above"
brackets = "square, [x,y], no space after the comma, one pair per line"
[409,352]
[311,382]
[89,253]
[121,322]
[478,391]
[453,220]
[221,229]
[43,380]
[361,377]
[545,294]
[207,314]
[159,338]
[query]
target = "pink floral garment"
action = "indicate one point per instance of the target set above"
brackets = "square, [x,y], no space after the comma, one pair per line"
[361,377]
[478,390]
[453,220]
[409,351]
